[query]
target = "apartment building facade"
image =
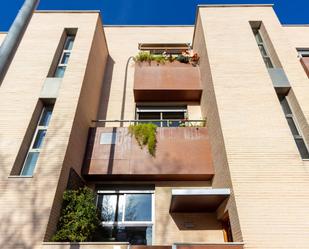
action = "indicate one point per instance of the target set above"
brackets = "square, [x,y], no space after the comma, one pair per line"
[230,168]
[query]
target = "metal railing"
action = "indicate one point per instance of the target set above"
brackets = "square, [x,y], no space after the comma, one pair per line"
[158,122]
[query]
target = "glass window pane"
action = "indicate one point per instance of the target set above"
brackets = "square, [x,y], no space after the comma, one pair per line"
[292,126]
[302,148]
[173,115]
[30,163]
[39,139]
[69,43]
[139,235]
[150,115]
[285,106]
[138,207]
[262,50]
[257,36]
[108,206]
[65,58]
[60,72]
[46,116]
[268,62]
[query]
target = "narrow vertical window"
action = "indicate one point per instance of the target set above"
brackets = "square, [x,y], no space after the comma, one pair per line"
[303,150]
[37,142]
[262,47]
[65,55]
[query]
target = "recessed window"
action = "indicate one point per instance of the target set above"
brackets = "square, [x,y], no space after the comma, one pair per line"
[304,59]
[299,140]
[262,48]
[162,116]
[65,55]
[126,216]
[37,142]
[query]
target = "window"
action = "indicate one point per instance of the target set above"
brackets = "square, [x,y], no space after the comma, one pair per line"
[304,59]
[126,216]
[303,150]
[162,116]
[65,55]
[37,142]
[262,48]
[303,53]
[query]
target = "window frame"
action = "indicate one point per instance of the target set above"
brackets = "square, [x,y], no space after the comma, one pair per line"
[37,129]
[65,51]
[124,223]
[262,44]
[125,192]
[299,136]
[160,110]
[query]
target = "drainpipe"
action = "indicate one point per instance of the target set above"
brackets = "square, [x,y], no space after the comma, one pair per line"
[12,39]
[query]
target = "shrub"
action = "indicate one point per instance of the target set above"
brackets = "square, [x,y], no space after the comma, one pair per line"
[79,217]
[145,134]
[183,59]
[143,56]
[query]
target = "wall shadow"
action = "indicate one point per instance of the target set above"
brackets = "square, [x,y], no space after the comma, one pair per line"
[106,88]
[196,221]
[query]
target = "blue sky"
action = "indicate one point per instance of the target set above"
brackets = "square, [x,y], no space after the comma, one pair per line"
[132,12]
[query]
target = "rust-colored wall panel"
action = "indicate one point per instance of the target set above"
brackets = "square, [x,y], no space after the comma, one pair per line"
[167,82]
[305,63]
[212,246]
[181,153]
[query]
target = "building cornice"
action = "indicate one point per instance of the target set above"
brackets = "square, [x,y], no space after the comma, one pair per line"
[232,5]
[68,11]
[147,26]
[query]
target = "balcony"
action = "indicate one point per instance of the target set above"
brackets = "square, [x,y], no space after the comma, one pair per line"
[171,81]
[182,153]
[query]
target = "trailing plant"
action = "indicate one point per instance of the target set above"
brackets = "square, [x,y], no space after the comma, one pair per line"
[79,218]
[143,56]
[145,134]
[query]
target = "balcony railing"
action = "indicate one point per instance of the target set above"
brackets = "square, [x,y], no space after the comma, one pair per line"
[181,153]
[158,122]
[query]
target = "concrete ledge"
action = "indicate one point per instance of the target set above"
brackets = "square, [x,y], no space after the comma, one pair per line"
[85,245]
[233,5]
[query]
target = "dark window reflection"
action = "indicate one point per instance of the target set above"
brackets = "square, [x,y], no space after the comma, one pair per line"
[134,235]
[138,207]
[119,212]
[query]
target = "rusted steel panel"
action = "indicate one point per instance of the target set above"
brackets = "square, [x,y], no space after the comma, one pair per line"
[167,82]
[305,63]
[182,153]
[211,246]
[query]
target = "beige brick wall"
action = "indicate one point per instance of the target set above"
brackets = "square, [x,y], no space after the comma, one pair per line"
[209,108]
[2,36]
[26,202]
[270,181]
[170,228]
[123,44]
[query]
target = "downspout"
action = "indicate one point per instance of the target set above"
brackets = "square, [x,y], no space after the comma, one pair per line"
[16,31]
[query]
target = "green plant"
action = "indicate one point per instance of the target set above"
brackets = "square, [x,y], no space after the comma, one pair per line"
[159,58]
[183,59]
[145,134]
[79,217]
[143,56]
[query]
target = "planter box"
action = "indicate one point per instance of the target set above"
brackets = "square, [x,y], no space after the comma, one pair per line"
[167,82]
[182,153]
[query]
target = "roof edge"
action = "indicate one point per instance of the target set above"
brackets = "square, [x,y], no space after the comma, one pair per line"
[295,25]
[234,5]
[145,26]
[67,11]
